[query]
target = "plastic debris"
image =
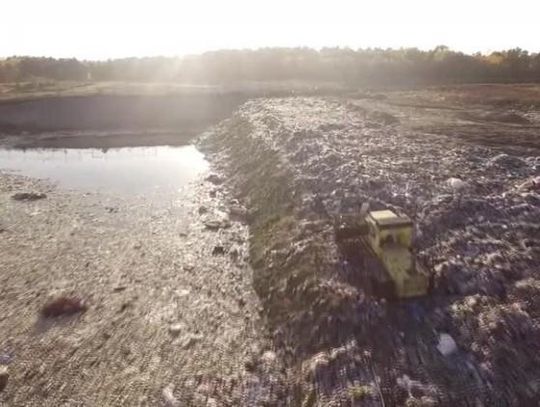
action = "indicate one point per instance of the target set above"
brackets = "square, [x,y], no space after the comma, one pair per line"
[446,345]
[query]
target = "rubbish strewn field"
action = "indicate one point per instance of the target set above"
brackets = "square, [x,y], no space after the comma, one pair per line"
[464,164]
[235,292]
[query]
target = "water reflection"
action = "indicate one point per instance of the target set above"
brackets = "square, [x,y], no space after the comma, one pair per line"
[125,170]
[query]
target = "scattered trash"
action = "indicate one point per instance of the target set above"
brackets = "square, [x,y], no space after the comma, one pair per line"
[414,388]
[481,248]
[507,161]
[446,344]
[316,364]
[216,224]
[456,184]
[359,392]
[214,179]
[507,117]
[383,118]
[175,329]
[532,184]
[5,358]
[184,292]
[63,306]
[269,357]
[4,377]
[238,212]
[218,250]
[28,196]
[189,340]
[125,305]
[168,395]
[311,165]
[119,288]
[423,401]
[234,253]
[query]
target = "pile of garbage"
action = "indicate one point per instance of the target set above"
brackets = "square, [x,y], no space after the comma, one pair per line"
[477,212]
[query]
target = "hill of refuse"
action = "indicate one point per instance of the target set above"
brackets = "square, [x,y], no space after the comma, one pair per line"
[295,163]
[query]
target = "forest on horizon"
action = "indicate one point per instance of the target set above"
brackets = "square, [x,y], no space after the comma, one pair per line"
[409,66]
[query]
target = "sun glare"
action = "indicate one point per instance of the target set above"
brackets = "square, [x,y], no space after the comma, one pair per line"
[103,29]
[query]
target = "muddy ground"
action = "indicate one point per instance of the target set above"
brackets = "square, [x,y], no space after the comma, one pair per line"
[270,310]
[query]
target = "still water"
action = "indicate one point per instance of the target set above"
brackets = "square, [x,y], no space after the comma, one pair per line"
[136,170]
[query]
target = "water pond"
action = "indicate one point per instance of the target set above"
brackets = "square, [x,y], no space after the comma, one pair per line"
[133,170]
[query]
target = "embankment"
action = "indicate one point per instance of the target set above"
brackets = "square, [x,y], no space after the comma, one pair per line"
[309,309]
[111,112]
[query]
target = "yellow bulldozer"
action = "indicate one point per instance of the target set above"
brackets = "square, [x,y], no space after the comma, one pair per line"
[385,241]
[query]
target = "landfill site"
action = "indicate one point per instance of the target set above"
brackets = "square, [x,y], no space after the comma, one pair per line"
[246,290]
[466,172]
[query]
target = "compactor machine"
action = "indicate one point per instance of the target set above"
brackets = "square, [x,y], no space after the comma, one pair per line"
[385,241]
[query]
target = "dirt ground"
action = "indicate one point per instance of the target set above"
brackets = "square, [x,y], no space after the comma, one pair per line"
[169,319]
[235,292]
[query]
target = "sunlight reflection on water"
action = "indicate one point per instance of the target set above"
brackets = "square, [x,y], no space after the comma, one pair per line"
[133,170]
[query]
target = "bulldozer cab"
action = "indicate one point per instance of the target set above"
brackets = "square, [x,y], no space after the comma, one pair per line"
[385,241]
[386,228]
[390,237]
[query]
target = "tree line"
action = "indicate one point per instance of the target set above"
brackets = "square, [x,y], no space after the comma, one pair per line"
[410,66]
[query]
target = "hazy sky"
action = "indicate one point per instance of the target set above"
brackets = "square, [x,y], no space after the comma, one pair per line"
[100,29]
